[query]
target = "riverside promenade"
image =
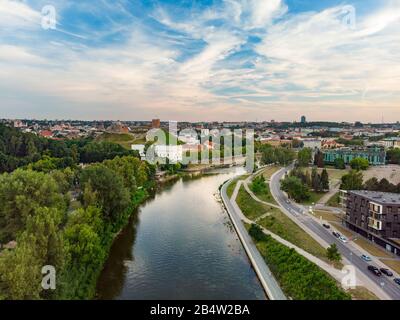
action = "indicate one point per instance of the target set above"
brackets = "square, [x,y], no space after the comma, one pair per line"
[269,283]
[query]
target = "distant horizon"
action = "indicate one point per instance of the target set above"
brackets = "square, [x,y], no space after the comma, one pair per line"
[209,121]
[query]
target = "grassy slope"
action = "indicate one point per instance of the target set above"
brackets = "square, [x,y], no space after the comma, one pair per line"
[278,223]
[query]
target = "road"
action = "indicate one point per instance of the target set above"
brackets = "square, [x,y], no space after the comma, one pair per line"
[270,285]
[391,289]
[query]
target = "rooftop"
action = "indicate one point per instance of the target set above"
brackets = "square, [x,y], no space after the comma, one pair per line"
[379,197]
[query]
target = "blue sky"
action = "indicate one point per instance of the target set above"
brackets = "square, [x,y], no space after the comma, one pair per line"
[201,60]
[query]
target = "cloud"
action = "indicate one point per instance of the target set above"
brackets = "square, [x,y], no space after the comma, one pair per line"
[236,59]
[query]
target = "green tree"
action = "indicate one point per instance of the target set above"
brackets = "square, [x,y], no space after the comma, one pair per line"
[339,164]
[21,193]
[111,194]
[319,159]
[359,164]
[333,253]
[39,245]
[325,180]
[295,188]
[352,181]
[372,184]
[304,157]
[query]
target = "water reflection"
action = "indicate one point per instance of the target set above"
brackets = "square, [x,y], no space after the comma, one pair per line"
[181,245]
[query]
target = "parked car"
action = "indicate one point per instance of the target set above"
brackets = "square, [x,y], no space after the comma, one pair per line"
[397,280]
[343,239]
[327,226]
[375,271]
[386,272]
[336,234]
[366,258]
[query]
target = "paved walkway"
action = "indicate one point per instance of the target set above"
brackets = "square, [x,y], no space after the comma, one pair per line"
[332,191]
[269,283]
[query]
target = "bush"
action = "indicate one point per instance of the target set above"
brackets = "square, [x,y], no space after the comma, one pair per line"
[299,278]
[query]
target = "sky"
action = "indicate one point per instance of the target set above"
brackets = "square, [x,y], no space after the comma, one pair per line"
[200,60]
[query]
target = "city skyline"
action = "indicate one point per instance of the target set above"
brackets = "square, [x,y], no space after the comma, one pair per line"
[243,60]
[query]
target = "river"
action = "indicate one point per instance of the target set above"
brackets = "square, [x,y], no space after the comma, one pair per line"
[180,245]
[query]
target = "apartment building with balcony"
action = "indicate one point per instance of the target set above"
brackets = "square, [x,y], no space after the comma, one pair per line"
[374,215]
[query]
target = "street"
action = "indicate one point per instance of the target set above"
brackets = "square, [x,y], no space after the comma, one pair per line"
[346,250]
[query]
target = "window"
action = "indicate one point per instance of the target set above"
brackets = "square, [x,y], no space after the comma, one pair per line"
[389,209]
[395,217]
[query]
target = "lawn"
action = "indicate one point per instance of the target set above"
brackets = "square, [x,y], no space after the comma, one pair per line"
[269,171]
[123,139]
[265,195]
[334,201]
[328,216]
[278,223]
[370,248]
[251,208]
[346,232]
[231,187]
[393,264]
[299,278]
[362,293]
[314,198]
[334,174]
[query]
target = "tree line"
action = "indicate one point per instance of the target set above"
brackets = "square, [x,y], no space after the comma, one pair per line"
[354,180]
[18,149]
[66,218]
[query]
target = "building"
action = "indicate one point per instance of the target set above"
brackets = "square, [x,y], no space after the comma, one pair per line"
[139,148]
[374,215]
[330,144]
[312,143]
[303,119]
[375,155]
[393,142]
[171,152]
[155,123]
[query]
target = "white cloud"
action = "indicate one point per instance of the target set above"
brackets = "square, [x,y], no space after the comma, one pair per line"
[306,62]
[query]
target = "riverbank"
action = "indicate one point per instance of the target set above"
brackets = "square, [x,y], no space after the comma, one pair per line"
[268,282]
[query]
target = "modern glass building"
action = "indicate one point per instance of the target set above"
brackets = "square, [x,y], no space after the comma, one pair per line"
[376,155]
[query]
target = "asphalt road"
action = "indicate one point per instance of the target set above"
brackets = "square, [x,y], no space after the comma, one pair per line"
[389,286]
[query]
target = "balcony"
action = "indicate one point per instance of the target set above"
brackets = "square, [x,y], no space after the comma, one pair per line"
[374,223]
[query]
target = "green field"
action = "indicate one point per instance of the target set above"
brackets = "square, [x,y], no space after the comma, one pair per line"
[269,171]
[334,201]
[231,187]
[265,195]
[278,223]
[314,198]
[123,139]
[299,278]
[251,208]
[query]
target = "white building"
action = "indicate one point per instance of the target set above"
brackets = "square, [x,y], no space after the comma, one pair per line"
[140,149]
[173,153]
[312,143]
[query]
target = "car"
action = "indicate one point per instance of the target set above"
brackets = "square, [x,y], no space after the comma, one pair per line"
[397,280]
[386,272]
[336,234]
[288,201]
[375,271]
[327,226]
[343,239]
[366,258]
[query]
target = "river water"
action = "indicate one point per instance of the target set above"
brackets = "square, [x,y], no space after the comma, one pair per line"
[180,245]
